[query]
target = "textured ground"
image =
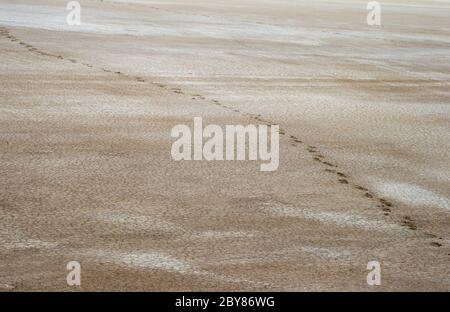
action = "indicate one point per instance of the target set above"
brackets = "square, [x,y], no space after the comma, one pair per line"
[86,171]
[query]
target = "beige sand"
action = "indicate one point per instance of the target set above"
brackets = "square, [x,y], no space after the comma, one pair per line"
[86,172]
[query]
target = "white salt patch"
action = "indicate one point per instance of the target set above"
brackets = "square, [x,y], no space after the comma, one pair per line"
[412,194]
[138,222]
[157,260]
[28,243]
[288,254]
[338,218]
[164,23]
[224,234]
[152,260]
[52,18]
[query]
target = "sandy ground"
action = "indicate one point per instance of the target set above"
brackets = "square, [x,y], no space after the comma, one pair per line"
[86,171]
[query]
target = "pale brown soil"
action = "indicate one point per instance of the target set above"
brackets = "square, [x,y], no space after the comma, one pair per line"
[86,171]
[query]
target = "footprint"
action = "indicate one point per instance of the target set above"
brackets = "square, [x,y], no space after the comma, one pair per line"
[368,195]
[312,149]
[385,202]
[408,222]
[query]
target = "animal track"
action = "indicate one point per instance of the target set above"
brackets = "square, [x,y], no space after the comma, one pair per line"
[385,202]
[408,222]
[295,139]
[360,188]
[384,205]
[31,48]
[431,235]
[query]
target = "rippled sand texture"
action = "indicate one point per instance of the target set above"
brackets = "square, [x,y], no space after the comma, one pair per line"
[86,172]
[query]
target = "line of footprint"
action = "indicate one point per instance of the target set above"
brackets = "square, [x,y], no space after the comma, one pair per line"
[4,32]
[384,205]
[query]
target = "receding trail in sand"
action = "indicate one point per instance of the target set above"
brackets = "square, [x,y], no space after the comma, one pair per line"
[86,116]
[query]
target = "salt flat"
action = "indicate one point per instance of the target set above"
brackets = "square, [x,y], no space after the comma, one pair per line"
[85,119]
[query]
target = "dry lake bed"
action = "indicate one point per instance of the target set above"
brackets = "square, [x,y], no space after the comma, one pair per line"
[86,113]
